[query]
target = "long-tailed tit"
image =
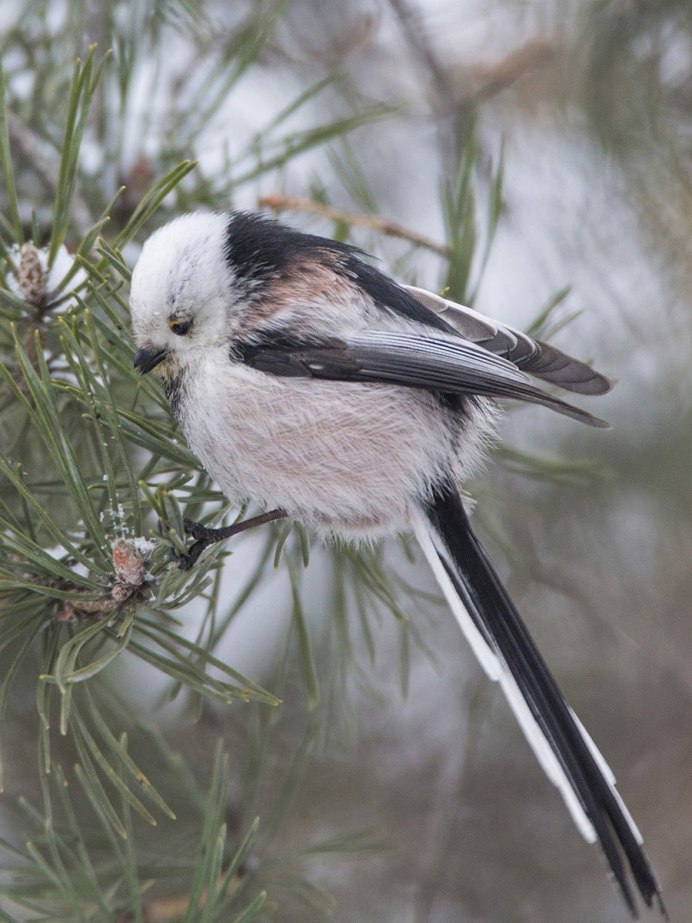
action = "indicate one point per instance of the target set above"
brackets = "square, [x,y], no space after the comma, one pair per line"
[308,381]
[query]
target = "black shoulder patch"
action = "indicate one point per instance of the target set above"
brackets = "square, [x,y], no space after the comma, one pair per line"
[258,248]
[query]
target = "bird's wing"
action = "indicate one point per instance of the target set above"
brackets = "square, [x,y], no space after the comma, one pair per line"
[431,361]
[534,356]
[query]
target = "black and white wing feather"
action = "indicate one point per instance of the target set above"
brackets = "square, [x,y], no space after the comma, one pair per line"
[527,353]
[427,360]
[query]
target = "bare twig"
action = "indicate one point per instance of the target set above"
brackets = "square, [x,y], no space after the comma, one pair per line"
[498,76]
[282,203]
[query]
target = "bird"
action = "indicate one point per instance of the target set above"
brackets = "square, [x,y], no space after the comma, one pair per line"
[310,382]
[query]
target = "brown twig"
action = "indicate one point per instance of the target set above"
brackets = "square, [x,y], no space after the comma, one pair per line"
[524,60]
[282,203]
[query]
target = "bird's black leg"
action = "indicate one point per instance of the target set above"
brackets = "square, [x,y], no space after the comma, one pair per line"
[204,536]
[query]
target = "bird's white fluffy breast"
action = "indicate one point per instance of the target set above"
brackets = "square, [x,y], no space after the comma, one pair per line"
[362,452]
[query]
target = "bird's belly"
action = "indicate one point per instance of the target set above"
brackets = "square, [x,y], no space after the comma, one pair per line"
[340,457]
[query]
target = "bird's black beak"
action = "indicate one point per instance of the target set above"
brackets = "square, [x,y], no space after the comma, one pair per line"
[147,358]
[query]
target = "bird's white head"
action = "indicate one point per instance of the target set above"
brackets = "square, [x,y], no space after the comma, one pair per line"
[181,291]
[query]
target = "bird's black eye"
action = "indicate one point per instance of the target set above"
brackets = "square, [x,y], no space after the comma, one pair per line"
[180,327]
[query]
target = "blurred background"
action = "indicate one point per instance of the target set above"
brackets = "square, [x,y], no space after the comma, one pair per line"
[394,785]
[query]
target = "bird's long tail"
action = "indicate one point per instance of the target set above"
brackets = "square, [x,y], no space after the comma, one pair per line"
[509,656]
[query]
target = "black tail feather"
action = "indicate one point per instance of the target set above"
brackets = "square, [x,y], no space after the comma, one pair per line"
[495,616]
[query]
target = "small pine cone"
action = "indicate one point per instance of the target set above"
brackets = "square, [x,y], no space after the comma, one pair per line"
[32,276]
[128,562]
